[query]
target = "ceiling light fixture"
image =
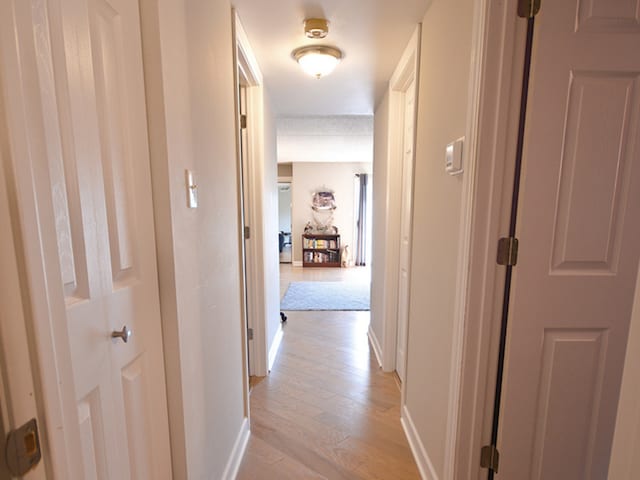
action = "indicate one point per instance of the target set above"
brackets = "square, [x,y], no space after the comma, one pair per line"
[317,60]
[316,28]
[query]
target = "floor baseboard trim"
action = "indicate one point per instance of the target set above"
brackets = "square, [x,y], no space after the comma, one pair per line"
[375,345]
[275,347]
[239,447]
[427,472]
[297,263]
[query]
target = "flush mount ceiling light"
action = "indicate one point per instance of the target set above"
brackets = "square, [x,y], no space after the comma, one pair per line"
[317,60]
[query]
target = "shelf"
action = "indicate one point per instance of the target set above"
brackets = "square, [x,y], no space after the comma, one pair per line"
[320,250]
[325,264]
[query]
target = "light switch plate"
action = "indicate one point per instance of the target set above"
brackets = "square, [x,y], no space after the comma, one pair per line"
[453,157]
[192,190]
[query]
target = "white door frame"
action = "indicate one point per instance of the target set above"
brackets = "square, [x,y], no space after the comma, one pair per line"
[496,73]
[406,72]
[18,394]
[253,178]
[289,180]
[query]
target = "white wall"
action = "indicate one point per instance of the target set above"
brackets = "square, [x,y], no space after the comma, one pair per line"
[270,216]
[307,179]
[190,92]
[442,116]
[384,195]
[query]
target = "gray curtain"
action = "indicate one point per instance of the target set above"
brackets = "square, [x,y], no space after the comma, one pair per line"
[361,241]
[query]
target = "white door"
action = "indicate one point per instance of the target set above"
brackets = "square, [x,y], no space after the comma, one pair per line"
[579,231]
[98,164]
[405,230]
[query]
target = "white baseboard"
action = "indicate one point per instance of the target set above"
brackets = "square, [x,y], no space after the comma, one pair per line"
[275,347]
[239,447]
[427,472]
[375,345]
[297,263]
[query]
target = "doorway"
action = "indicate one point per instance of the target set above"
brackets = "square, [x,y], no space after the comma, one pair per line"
[284,222]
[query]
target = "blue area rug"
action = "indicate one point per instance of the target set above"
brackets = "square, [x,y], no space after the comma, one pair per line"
[326,296]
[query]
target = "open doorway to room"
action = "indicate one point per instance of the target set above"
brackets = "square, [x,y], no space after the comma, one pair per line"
[327,165]
[284,222]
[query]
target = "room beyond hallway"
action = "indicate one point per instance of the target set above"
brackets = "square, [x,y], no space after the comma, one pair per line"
[326,410]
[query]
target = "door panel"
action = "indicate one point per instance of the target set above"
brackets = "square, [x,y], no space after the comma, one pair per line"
[92,437]
[603,16]
[594,172]
[405,229]
[101,194]
[579,235]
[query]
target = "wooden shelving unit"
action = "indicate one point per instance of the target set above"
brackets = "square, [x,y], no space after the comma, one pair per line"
[320,250]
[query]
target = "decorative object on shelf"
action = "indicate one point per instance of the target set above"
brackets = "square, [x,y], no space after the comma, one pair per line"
[323,200]
[308,228]
[323,204]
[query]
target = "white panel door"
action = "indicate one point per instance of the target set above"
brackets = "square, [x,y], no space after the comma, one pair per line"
[579,231]
[95,122]
[405,230]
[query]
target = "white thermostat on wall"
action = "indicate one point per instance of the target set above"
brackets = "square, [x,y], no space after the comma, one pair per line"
[453,157]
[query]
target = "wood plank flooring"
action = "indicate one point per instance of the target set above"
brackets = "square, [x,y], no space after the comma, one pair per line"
[326,411]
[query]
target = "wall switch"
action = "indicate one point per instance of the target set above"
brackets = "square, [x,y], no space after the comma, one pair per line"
[192,190]
[453,157]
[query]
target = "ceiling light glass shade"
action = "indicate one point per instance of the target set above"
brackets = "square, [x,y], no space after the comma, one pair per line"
[317,61]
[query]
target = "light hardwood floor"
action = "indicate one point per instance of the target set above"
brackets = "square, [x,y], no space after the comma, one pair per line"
[326,411]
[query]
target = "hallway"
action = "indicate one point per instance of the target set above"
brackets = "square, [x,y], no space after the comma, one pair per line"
[326,410]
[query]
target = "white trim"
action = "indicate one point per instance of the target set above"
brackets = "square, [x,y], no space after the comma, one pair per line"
[375,345]
[424,463]
[500,69]
[275,346]
[18,395]
[296,263]
[464,249]
[239,447]
[406,71]
[254,191]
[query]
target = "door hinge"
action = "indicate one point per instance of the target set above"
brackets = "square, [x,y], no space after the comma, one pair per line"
[250,333]
[507,251]
[247,233]
[23,449]
[243,121]
[528,8]
[490,457]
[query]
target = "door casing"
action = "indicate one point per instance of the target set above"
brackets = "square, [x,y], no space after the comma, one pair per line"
[405,74]
[252,179]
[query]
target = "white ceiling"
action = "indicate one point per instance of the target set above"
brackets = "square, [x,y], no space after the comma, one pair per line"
[343,138]
[371,33]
